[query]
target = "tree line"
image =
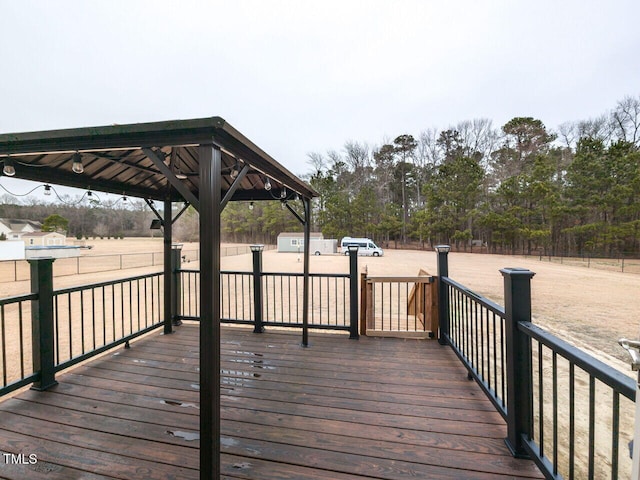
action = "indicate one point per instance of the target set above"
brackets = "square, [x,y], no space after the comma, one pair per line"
[520,188]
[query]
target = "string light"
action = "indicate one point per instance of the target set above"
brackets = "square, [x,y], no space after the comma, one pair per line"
[250,205]
[235,171]
[267,184]
[9,170]
[77,166]
[47,191]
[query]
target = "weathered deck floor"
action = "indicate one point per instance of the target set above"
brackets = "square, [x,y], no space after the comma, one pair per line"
[341,409]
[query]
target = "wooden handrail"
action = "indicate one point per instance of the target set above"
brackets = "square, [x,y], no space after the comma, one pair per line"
[422,279]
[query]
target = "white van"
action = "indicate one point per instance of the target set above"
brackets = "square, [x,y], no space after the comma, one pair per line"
[365,246]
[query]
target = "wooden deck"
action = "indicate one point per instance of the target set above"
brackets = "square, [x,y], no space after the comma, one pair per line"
[339,410]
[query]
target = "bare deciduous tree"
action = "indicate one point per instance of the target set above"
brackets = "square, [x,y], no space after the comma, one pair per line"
[625,119]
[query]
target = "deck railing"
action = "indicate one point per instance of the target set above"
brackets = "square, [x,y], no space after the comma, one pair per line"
[281,298]
[49,330]
[477,335]
[93,318]
[568,411]
[15,343]
[275,298]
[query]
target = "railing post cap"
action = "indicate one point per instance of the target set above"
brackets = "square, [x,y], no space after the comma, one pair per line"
[40,259]
[516,271]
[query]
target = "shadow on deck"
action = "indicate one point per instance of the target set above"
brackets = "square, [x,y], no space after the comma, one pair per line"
[374,408]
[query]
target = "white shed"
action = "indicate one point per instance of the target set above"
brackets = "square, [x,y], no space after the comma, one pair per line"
[294,241]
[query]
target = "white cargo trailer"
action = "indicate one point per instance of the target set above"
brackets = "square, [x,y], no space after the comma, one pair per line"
[323,246]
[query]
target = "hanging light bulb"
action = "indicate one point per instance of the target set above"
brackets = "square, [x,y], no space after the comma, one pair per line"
[267,184]
[47,190]
[77,166]
[250,205]
[9,170]
[283,193]
[235,171]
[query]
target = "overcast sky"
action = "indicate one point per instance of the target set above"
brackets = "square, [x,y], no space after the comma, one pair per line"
[301,76]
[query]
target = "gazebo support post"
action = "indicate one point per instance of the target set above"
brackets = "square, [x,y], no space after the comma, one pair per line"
[210,159]
[305,279]
[168,238]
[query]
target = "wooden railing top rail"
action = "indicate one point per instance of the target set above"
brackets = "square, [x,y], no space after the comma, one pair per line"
[421,279]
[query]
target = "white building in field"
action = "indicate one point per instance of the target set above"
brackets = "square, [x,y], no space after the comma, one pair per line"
[294,241]
[318,245]
[26,240]
[44,239]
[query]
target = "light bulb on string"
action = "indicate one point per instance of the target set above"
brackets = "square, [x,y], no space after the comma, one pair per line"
[9,170]
[77,166]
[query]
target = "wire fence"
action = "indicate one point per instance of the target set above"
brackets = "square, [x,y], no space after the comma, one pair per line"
[18,270]
[620,264]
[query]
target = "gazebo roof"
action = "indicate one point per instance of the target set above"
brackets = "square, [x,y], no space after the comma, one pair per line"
[138,159]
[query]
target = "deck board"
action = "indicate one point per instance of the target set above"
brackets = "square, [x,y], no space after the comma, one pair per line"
[341,409]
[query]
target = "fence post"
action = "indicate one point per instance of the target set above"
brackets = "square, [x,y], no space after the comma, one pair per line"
[176,253]
[256,251]
[42,334]
[443,293]
[353,292]
[517,298]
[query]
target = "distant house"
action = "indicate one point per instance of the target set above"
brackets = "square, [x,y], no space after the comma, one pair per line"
[294,241]
[14,228]
[44,239]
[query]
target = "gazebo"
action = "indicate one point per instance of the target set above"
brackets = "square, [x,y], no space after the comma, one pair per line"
[204,163]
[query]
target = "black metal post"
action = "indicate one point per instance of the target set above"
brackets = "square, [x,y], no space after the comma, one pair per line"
[42,334]
[176,287]
[517,298]
[256,250]
[168,293]
[305,278]
[210,160]
[353,293]
[443,294]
